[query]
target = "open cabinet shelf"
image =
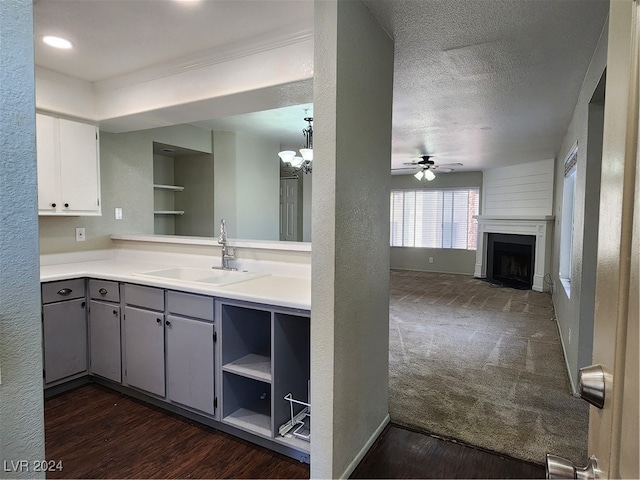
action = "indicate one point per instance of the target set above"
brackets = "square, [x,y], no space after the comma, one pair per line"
[251,365]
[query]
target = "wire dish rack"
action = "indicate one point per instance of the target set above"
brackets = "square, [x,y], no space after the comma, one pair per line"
[300,423]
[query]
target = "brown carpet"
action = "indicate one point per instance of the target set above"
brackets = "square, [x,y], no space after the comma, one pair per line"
[483,365]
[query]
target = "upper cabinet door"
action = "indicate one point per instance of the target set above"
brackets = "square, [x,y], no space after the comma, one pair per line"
[68,167]
[79,166]
[48,170]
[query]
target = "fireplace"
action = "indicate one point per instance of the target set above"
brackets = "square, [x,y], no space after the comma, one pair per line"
[511,259]
[537,227]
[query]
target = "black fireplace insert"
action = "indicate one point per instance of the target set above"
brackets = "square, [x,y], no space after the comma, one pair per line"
[510,259]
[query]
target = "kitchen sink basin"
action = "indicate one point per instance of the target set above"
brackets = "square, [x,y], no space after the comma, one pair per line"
[207,276]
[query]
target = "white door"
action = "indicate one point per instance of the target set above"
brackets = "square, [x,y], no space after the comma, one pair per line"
[613,430]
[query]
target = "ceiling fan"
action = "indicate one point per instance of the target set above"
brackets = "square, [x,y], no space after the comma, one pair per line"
[428,166]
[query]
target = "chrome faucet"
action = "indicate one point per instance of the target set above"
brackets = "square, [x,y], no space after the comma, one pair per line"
[227,256]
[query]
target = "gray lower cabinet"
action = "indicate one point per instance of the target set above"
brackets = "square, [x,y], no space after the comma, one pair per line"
[190,365]
[64,329]
[105,340]
[144,349]
[105,354]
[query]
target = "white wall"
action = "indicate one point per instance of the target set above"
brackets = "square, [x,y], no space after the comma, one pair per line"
[575,313]
[21,399]
[519,190]
[350,235]
[225,82]
[444,259]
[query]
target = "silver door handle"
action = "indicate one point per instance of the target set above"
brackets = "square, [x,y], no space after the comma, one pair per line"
[561,468]
[592,385]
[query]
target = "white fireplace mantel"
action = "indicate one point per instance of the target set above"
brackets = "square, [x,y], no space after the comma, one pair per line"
[539,226]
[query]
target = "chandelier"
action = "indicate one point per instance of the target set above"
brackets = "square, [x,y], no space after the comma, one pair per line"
[303,161]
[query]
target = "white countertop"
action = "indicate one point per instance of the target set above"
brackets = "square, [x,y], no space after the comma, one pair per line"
[272,289]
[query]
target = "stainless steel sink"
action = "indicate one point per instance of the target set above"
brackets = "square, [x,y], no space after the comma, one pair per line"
[207,276]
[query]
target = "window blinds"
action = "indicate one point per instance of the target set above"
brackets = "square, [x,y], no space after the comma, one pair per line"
[434,218]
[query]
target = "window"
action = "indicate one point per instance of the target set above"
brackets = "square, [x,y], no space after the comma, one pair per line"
[434,218]
[566,225]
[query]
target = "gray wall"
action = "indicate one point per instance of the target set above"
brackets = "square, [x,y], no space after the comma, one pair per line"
[21,399]
[575,313]
[247,185]
[126,176]
[257,188]
[444,259]
[195,173]
[350,234]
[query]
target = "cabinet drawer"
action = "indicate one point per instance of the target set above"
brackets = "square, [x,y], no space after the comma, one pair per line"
[146,297]
[62,290]
[104,290]
[196,306]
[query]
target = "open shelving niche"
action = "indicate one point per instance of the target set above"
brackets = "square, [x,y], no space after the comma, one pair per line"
[170,188]
[264,356]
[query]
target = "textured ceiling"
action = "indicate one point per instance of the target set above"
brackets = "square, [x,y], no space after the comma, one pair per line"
[487,82]
[481,82]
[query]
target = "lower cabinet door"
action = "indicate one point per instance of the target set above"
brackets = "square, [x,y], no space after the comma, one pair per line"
[105,340]
[144,349]
[190,363]
[65,339]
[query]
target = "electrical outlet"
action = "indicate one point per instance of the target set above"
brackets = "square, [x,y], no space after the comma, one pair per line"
[430,259]
[80,234]
[118,213]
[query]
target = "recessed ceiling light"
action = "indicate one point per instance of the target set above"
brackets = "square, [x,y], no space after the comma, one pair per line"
[57,42]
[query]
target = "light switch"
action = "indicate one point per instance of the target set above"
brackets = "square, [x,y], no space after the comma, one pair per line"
[80,236]
[118,213]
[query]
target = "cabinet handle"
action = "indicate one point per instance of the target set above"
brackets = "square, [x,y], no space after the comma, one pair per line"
[83,304]
[65,291]
[115,312]
[53,205]
[158,320]
[103,291]
[66,205]
[168,323]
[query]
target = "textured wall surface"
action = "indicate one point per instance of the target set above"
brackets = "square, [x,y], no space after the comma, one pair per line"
[350,235]
[21,400]
[126,176]
[575,313]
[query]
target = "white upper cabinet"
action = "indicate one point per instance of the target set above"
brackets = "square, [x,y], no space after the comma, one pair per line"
[68,167]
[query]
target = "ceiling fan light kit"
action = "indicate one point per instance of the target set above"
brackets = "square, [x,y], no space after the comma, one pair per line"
[427,167]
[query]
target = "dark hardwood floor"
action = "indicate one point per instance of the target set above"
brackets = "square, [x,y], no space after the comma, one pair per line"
[402,453]
[99,433]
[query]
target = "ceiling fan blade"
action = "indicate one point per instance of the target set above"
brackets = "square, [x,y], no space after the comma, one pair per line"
[443,170]
[448,165]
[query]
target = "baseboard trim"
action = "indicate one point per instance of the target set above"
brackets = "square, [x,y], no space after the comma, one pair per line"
[574,390]
[358,458]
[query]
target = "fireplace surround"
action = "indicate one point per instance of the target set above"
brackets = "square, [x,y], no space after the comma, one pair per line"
[540,227]
[510,260]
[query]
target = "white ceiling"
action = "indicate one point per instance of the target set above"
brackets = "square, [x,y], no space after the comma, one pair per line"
[482,82]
